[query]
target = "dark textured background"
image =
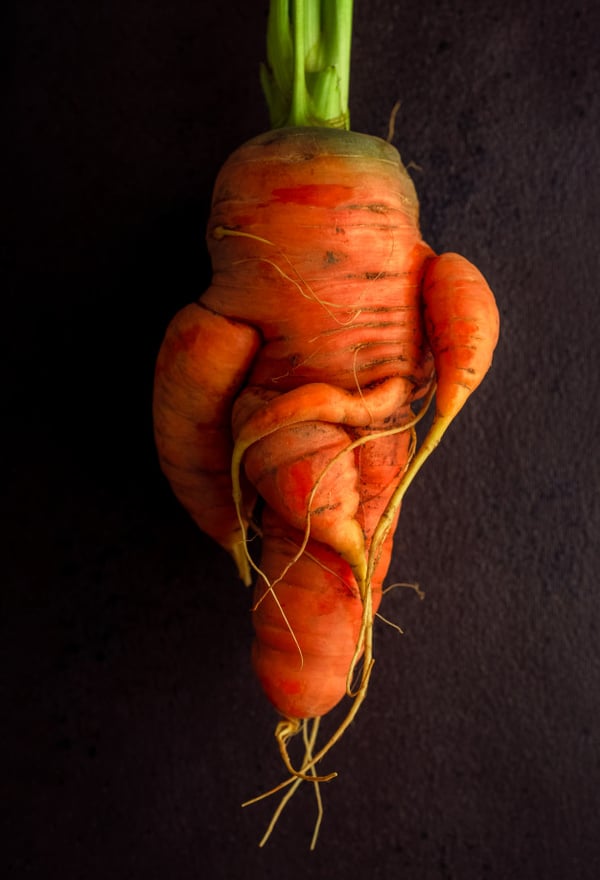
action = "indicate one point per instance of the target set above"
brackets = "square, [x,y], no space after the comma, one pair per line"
[132,725]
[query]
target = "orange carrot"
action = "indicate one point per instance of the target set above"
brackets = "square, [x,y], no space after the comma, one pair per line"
[298,379]
[320,425]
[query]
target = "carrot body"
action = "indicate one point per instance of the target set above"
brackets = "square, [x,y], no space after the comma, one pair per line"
[327,318]
[323,254]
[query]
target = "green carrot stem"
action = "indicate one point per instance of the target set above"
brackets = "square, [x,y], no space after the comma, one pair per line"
[306,78]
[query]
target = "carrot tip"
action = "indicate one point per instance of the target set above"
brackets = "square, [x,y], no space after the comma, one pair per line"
[240,557]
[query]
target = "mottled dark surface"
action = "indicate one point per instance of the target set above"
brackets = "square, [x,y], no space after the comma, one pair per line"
[132,726]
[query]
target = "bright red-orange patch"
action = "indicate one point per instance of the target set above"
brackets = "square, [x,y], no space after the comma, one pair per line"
[289,687]
[299,483]
[185,340]
[322,195]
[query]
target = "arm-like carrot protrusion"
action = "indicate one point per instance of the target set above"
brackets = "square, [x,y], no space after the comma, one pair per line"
[462,325]
[201,366]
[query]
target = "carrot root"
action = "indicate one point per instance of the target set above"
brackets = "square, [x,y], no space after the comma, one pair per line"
[309,745]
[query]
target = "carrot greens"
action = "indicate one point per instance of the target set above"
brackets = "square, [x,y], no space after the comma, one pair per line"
[307,74]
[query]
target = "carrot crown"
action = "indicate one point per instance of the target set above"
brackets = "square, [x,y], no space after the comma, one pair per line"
[307,74]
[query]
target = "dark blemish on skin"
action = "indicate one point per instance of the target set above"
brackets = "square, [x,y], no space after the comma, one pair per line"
[374,208]
[317,511]
[330,257]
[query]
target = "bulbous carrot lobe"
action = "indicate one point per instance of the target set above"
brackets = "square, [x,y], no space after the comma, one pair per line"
[320,482]
[462,325]
[303,668]
[200,368]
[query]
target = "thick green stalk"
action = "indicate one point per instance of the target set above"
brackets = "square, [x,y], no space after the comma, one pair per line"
[307,75]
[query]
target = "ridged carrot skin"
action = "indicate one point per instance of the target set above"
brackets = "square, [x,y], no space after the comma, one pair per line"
[289,377]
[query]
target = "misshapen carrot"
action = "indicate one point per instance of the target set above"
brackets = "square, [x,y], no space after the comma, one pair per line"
[326,326]
[298,379]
